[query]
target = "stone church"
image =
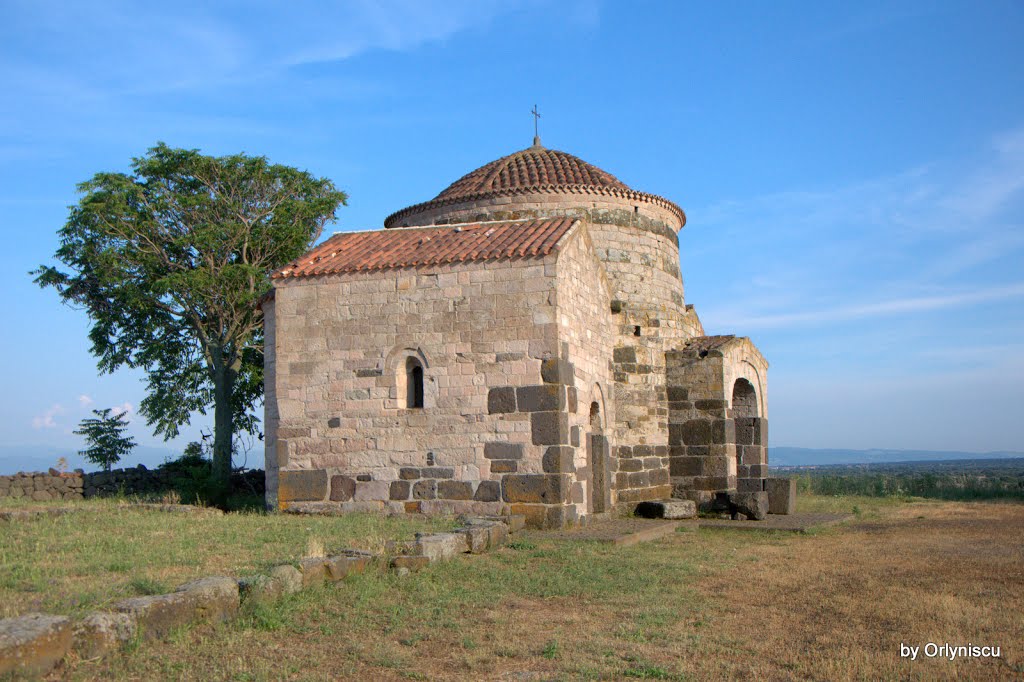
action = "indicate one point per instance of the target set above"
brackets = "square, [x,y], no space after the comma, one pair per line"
[518,344]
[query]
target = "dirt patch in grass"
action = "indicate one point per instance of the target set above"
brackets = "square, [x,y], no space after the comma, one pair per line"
[710,605]
[838,606]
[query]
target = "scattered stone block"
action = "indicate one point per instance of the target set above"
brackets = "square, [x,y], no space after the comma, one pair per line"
[441,546]
[206,600]
[259,588]
[781,495]
[288,576]
[100,633]
[350,562]
[477,537]
[752,505]
[313,570]
[33,644]
[409,563]
[667,509]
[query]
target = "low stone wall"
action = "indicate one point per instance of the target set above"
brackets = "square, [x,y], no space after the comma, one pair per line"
[36,643]
[55,485]
[42,487]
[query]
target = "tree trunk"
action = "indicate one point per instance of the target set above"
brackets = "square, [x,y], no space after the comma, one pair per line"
[223,430]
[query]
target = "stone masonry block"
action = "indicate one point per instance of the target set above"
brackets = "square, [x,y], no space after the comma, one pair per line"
[723,431]
[535,488]
[624,354]
[488,491]
[501,400]
[454,490]
[558,459]
[342,488]
[437,472]
[542,398]
[549,428]
[781,495]
[400,490]
[503,451]
[302,486]
[504,466]
[374,491]
[424,490]
[557,371]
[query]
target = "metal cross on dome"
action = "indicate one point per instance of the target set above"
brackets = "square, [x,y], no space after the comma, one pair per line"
[536,119]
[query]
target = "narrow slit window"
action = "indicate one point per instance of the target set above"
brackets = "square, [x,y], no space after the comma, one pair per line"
[414,383]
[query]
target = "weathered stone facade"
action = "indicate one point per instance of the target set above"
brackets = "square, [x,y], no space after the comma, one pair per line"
[519,344]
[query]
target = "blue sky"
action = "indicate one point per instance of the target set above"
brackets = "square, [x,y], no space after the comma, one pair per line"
[853,173]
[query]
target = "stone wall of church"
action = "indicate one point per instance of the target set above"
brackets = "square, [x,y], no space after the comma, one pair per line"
[586,337]
[486,334]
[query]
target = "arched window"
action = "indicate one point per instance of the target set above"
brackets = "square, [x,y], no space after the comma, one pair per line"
[413,383]
[744,399]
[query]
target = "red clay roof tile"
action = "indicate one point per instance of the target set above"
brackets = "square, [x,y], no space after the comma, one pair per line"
[411,247]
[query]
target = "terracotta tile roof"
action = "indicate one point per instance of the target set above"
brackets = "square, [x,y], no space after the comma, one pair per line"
[418,246]
[535,170]
[533,167]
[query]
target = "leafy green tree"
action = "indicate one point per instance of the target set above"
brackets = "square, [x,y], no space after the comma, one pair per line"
[170,261]
[105,438]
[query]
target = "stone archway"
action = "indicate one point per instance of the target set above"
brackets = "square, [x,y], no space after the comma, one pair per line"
[751,447]
[597,460]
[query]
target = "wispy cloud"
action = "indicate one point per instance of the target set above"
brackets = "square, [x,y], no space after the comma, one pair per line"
[85,400]
[108,48]
[47,420]
[126,407]
[935,236]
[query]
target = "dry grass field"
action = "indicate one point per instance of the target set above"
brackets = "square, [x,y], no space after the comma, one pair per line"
[834,604]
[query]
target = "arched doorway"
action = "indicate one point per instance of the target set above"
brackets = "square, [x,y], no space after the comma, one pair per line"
[749,448]
[597,458]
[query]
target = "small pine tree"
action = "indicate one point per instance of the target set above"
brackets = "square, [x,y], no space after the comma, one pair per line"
[105,438]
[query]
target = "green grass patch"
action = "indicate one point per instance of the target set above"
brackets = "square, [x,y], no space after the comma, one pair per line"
[106,550]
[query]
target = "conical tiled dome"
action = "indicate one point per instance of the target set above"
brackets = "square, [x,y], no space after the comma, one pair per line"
[533,168]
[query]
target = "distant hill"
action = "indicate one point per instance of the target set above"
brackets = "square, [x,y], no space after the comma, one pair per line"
[15,458]
[786,456]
